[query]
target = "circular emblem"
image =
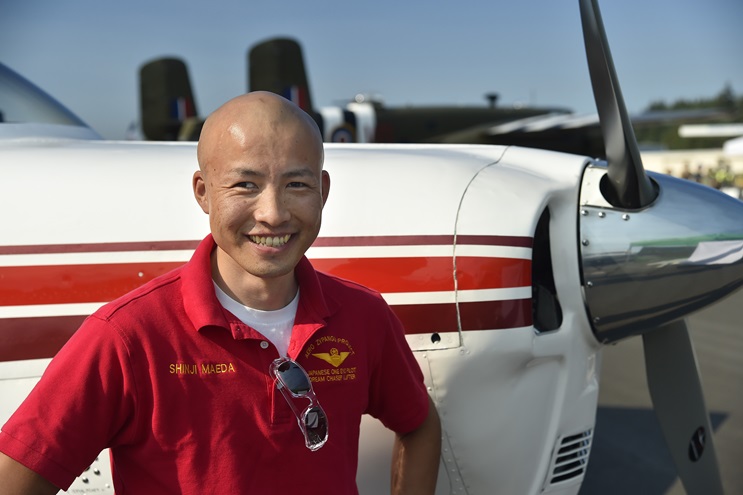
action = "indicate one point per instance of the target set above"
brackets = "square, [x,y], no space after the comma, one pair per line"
[343,134]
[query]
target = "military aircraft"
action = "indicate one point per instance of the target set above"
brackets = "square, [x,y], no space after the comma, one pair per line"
[168,108]
[510,268]
[168,111]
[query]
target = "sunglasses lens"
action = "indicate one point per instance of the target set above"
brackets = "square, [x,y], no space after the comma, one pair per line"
[317,427]
[294,378]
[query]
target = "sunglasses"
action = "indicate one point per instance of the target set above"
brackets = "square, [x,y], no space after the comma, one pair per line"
[293,382]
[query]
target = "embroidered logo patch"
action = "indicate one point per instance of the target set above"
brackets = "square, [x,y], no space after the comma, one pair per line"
[333,351]
[334,357]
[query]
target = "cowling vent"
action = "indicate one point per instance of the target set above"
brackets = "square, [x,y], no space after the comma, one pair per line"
[569,459]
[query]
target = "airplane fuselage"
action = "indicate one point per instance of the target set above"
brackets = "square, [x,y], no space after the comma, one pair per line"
[445,233]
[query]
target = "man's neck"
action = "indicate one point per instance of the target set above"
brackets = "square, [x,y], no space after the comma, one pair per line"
[265,294]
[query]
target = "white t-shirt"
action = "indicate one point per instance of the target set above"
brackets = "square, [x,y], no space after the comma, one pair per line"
[276,325]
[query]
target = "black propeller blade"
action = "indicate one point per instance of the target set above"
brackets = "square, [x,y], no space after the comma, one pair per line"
[628,186]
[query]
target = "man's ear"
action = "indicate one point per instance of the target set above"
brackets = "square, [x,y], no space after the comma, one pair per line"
[325,186]
[199,191]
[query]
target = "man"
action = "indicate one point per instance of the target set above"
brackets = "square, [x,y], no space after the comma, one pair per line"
[178,380]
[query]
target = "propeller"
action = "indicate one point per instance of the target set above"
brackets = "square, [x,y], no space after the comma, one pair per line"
[645,267]
[629,186]
[676,392]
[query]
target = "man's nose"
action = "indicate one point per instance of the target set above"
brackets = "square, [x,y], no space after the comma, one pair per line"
[271,208]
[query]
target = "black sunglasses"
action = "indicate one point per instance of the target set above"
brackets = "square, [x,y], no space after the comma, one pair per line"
[293,382]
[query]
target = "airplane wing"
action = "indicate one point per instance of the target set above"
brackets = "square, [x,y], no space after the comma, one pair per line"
[564,132]
[579,133]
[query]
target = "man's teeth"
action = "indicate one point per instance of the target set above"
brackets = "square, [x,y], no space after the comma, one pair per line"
[270,241]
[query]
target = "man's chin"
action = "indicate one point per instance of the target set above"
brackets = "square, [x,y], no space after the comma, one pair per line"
[271,270]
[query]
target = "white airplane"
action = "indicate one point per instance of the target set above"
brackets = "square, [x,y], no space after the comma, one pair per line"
[510,268]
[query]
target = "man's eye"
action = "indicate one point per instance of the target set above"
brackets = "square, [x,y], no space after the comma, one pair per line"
[296,184]
[246,185]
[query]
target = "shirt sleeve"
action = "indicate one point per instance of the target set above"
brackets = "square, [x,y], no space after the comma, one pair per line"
[398,396]
[83,403]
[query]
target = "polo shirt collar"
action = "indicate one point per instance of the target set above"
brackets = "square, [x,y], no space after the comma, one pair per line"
[204,310]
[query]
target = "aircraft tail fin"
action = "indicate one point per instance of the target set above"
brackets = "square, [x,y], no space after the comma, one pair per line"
[166,98]
[276,65]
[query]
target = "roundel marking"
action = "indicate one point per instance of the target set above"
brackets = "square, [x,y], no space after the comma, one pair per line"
[343,134]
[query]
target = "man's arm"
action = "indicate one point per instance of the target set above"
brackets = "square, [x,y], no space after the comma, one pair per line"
[415,457]
[17,479]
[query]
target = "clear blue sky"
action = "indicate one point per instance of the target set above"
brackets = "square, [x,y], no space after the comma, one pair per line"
[87,53]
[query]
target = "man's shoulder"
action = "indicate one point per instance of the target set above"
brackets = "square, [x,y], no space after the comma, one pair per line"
[344,287]
[349,294]
[161,291]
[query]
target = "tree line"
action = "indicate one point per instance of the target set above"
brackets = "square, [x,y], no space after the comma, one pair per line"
[725,107]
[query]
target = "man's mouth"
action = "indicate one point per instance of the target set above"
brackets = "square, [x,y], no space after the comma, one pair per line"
[270,241]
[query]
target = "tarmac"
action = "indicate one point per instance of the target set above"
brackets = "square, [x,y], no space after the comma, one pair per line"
[629,455]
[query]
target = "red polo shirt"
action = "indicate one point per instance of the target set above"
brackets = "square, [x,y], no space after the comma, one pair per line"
[179,389]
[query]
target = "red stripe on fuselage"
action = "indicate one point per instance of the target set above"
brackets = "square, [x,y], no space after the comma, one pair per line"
[425,240]
[68,284]
[390,240]
[482,315]
[41,337]
[35,338]
[430,274]
[103,247]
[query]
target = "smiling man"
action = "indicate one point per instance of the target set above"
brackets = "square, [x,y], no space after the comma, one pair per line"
[245,370]
[262,184]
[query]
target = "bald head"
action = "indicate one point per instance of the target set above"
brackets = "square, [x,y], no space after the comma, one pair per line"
[255,118]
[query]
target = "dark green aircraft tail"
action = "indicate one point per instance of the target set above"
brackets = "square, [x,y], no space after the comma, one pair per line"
[167,105]
[276,65]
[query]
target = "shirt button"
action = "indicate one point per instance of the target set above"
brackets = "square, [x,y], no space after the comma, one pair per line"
[264,345]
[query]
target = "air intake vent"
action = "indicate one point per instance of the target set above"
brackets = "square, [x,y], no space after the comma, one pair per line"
[569,459]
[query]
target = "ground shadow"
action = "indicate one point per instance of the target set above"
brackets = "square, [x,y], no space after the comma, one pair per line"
[629,454]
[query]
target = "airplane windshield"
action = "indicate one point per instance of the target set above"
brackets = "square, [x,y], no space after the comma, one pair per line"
[21,102]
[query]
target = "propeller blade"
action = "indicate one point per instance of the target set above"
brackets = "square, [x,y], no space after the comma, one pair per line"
[676,392]
[628,185]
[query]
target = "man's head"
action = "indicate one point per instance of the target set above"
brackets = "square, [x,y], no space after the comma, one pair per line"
[261,182]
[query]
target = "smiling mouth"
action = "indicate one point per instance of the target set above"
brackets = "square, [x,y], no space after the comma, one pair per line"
[270,241]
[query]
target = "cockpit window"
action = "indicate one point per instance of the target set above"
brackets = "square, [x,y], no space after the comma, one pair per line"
[21,102]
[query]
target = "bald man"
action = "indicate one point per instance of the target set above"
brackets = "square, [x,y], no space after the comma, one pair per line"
[210,379]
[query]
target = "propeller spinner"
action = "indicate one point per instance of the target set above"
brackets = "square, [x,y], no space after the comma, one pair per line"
[652,252]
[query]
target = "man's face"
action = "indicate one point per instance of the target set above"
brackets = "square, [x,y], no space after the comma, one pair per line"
[264,191]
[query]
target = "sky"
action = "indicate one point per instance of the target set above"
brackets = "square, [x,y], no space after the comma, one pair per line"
[87,53]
